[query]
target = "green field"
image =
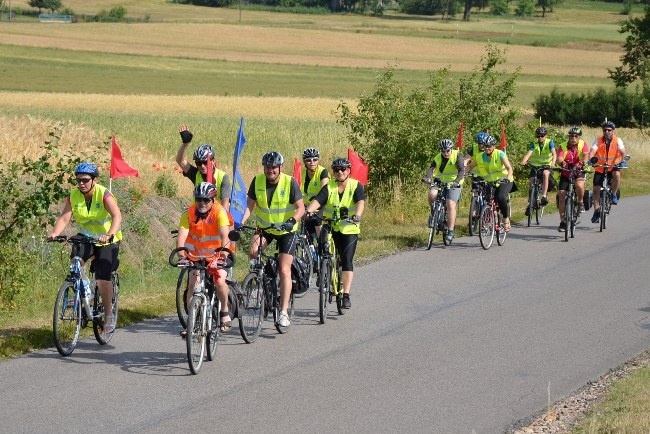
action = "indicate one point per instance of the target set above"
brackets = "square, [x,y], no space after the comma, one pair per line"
[285,74]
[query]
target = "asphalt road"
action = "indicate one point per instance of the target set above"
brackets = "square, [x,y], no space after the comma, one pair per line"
[452,340]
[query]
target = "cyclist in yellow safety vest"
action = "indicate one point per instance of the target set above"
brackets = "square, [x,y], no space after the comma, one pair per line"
[609,149]
[274,198]
[448,166]
[97,215]
[343,197]
[574,153]
[494,166]
[540,154]
[203,155]
[202,229]
[314,177]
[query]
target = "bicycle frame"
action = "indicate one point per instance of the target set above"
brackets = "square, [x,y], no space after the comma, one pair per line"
[534,195]
[438,213]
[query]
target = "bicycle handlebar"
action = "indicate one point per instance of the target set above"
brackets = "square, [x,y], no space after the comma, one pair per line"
[320,219]
[178,261]
[73,239]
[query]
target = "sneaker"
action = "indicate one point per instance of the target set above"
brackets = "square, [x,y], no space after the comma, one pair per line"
[347,304]
[614,199]
[109,326]
[562,227]
[581,209]
[596,217]
[527,212]
[450,236]
[283,321]
[544,201]
[183,334]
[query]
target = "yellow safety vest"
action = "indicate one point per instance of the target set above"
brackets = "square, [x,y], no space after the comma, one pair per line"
[279,210]
[334,204]
[95,221]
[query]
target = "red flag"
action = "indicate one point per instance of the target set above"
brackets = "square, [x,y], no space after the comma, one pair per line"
[297,170]
[119,168]
[459,141]
[209,176]
[359,170]
[504,143]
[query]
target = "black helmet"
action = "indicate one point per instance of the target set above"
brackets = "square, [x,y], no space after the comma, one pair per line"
[541,131]
[445,145]
[310,153]
[204,153]
[575,130]
[609,124]
[272,159]
[341,162]
[87,168]
[205,190]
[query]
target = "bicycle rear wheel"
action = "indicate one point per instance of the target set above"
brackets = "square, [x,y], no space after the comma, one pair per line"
[181,293]
[486,227]
[324,287]
[250,323]
[531,204]
[338,284]
[501,233]
[195,339]
[99,313]
[66,320]
[213,333]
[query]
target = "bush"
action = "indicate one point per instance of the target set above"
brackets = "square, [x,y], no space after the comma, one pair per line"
[397,132]
[499,7]
[628,109]
[525,8]
[165,186]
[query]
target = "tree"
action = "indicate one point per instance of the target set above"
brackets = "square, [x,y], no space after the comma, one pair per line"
[547,5]
[636,60]
[51,5]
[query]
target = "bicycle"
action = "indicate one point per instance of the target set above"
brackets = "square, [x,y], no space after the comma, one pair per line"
[260,289]
[605,190]
[306,251]
[534,195]
[203,311]
[477,200]
[490,220]
[75,307]
[438,214]
[571,206]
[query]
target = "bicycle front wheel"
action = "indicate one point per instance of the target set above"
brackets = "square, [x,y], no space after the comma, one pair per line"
[539,210]
[473,215]
[325,287]
[568,217]
[339,289]
[66,321]
[531,204]
[195,338]
[181,299]
[604,204]
[574,216]
[486,227]
[250,323]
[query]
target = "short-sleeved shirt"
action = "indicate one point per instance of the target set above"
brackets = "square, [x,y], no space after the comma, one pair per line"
[323,194]
[222,220]
[224,191]
[294,195]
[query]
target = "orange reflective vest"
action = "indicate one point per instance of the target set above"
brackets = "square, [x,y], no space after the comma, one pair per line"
[204,236]
[605,157]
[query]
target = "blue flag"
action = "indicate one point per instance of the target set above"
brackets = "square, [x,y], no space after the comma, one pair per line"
[238,192]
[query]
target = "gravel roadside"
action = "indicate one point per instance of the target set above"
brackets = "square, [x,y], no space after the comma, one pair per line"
[562,416]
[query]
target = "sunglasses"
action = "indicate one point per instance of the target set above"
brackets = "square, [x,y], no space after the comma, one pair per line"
[83,180]
[573,135]
[201,163]
[607,130]
[539,137]
[339,169]
[201,199]
[310,160]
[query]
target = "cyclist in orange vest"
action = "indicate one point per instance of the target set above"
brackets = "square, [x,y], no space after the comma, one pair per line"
[609,149]
[202,229]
